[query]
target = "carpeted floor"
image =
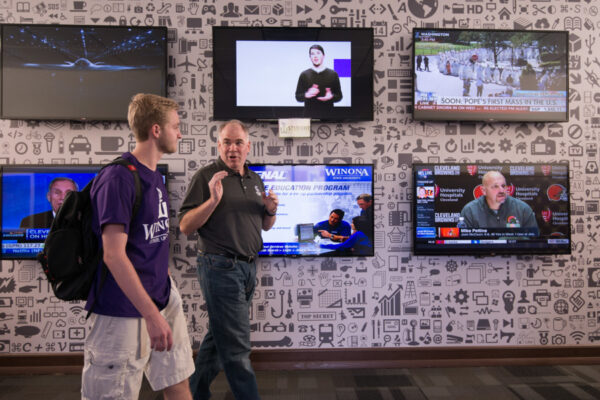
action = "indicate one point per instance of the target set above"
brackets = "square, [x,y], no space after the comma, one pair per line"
[488,383]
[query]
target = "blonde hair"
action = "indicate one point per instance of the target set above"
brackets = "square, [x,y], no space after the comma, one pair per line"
[145,110]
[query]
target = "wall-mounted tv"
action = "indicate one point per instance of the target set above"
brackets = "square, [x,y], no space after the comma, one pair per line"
[271,73]
[490,75]
[487,209]
[318,213]
[69,72]
[29,195]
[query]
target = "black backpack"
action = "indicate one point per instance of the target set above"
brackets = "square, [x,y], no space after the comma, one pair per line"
[71,253]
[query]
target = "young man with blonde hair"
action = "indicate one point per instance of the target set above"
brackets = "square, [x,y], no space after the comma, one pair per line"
[138,325]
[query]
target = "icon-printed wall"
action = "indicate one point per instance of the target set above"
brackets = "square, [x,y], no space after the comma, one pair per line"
[393,299]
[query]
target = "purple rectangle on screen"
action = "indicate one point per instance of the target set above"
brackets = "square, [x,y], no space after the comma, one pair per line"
[342,67]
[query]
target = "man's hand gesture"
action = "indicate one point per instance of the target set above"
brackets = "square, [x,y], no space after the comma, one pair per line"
[271,202]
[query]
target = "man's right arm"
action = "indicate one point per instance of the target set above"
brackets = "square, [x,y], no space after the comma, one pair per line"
[467,214]
[301,88]
[195,218]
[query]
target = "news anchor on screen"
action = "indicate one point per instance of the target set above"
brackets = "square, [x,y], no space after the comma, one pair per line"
[57,191]
[318,87]
[496,208]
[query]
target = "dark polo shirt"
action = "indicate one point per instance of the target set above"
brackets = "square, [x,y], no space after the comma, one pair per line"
[235,225]
[478,214]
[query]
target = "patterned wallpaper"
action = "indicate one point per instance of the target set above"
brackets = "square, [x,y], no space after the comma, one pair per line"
[345,302]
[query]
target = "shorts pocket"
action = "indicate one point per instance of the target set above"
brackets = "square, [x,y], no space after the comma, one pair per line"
[104,375]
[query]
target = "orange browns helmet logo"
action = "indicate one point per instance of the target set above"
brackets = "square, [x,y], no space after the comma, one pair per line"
[557,192]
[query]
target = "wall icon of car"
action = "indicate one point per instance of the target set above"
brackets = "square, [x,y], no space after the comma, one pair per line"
[80,144]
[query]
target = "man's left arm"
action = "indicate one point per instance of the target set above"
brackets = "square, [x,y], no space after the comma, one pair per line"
[271,201]
[344,233]
[529,220]
[336,89]
[346,229]
[114,242]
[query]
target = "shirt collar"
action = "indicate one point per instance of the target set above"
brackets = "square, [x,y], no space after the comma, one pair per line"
[487,207]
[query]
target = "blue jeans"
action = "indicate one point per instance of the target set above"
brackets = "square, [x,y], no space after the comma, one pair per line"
[227,286]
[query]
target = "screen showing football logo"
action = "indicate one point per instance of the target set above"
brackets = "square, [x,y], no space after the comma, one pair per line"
[557,192]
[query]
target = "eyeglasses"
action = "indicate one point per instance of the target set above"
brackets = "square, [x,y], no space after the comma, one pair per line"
[549,272]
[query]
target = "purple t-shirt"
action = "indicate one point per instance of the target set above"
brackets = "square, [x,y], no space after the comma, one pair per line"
[113,195]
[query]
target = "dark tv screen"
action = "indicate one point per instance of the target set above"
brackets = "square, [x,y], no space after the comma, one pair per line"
[454,214]
[490,75]
[307,196]
[68,72]
[27,203]
[271,73]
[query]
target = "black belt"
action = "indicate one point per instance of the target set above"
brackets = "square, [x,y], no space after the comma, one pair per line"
[247,259]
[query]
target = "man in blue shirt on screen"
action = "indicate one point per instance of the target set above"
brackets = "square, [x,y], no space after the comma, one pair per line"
[358,243]
[334,228]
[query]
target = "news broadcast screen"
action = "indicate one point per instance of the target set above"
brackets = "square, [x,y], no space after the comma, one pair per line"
[30,197]
[318,213]
[491,209]
[490,75]
[270,73]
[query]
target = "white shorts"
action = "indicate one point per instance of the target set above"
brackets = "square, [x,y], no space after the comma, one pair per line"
[117,352]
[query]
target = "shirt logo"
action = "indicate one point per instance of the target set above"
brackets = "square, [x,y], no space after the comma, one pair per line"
[163,209]
[159,230]
[512,222]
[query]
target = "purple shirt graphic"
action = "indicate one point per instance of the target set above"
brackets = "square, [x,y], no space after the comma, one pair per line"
[113,195]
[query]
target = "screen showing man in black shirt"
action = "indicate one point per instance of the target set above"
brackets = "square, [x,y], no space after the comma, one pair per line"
[496,208]
[318,87]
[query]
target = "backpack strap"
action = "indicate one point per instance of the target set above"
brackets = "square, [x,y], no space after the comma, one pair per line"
[136,179]
[136,207]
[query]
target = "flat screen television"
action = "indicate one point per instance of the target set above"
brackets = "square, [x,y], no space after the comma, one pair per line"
[309,195]
[490,75]
[271,73]
[69,72]
[453,209]
[26,203]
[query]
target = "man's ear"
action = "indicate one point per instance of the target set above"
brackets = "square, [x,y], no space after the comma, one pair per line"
[155,130]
